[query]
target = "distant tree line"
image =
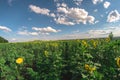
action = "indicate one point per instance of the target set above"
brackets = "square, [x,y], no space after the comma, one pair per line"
[2,40]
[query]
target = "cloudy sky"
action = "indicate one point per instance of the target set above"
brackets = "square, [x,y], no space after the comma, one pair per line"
[24,20]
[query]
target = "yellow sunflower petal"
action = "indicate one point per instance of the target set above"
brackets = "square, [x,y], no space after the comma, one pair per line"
[87,66]
[118,62]
[19,60]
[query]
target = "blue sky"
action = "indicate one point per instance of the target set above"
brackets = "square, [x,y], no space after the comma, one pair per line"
[26,20]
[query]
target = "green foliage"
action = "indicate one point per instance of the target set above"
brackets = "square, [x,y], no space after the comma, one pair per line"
[60,60]
[2,40]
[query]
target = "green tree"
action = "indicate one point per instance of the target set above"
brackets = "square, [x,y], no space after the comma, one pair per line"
[2,40]
[111,36]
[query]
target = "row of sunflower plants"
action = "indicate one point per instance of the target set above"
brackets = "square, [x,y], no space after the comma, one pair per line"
[61,60]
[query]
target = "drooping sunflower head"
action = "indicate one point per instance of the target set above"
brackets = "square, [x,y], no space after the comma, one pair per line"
[87,66]
[92,69]
[118,61]
[94,44]
[84,43]
[89,69]
[107,39]
[46,53]
[19,60]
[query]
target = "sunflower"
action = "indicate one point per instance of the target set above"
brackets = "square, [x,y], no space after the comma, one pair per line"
[107,39]
[19,60]
[90,69]
[118,61]
[87,66]
[94,44]
[46,53]
[84,43]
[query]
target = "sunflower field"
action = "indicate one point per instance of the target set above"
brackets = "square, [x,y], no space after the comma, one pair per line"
[94,59]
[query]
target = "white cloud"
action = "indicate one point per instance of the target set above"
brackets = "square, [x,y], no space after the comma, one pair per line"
[106,4]
[116,31]
[113,16]
[45,30]
[77,13]
[97,1]
[90,19]
[38,31]
[65,15]
[24,32]
[62,10]
[97,32]
[104,32]
[77,2]
[44,33]
[63,20]
[64,5]
[76,31]
[14,39]
[58,4]
[34,33]
[4,28]
[42,11]
[96,10]
[52,15]
[97,21]
[75,36]
[72,16]
[39,10]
